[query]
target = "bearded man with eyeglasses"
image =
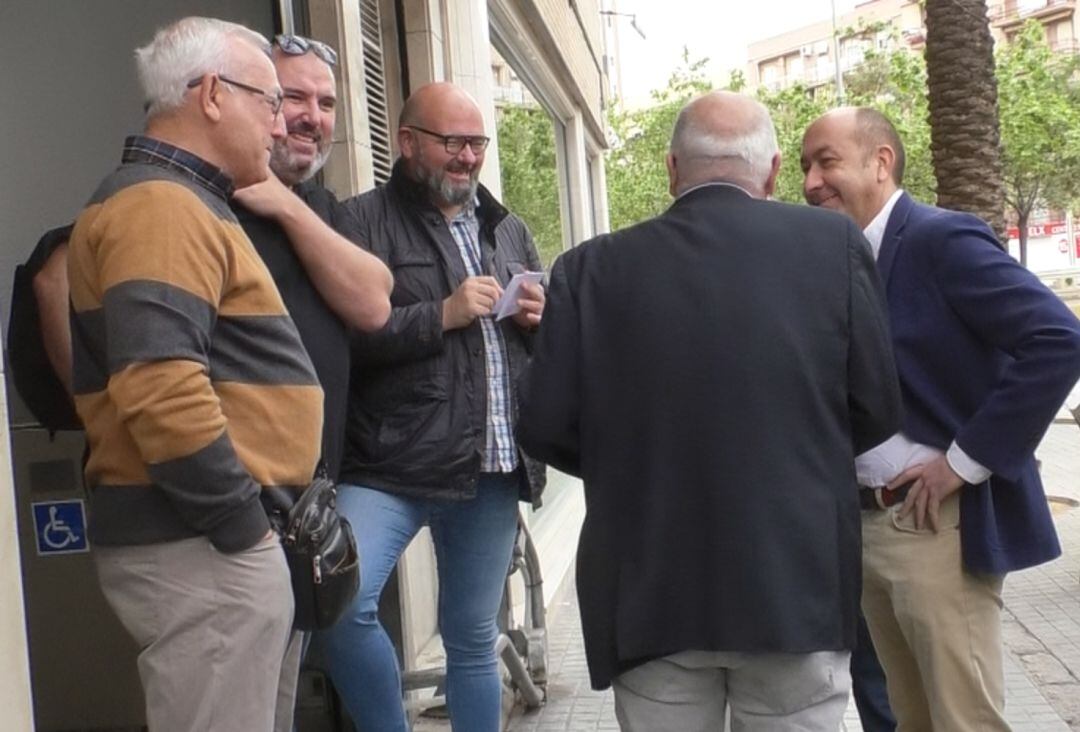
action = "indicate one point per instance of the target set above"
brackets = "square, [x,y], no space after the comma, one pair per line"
[432,405]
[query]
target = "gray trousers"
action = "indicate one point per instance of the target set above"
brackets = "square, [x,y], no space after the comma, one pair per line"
[214,631]
[765,692]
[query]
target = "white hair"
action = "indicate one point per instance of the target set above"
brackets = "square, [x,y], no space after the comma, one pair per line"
[751,149]
[186,50]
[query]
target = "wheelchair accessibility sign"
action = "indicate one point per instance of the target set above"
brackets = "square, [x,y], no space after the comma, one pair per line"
[60,527]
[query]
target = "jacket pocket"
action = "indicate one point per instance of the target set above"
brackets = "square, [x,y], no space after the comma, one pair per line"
[409,412]
[948,517]
[416,279]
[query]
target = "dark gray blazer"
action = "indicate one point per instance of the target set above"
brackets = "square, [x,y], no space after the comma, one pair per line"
[711,374]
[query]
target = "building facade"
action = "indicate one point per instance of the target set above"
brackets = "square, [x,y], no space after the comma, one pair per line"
[809,55]
[1058,18]
[67,114]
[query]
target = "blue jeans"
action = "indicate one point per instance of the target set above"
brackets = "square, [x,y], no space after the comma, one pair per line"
[473,543]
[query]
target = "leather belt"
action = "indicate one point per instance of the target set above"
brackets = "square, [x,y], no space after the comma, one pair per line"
[878,498]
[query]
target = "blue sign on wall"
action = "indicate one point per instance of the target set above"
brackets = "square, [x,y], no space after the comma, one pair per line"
[60,527]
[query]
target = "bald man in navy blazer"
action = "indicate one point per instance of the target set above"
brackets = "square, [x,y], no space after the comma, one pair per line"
[986,355]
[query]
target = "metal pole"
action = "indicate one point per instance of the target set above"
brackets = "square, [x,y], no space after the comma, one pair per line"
[836,58]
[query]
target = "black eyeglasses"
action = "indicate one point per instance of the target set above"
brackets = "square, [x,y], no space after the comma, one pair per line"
[454,144]
[298,46]
[274,100]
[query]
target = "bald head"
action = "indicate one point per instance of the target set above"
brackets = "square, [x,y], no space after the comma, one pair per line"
[435,101]
[869,129]
[442,142]
[724,137]
[852,161]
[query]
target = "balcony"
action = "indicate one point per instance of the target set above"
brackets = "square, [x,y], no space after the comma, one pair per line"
[1014,12]
[1067,45]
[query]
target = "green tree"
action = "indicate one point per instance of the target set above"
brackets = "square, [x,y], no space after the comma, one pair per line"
[637,178]
[792,110]
[1040,126]
[530,183]
[894,83]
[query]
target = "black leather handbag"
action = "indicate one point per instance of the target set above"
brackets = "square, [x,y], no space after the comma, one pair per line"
[323,561]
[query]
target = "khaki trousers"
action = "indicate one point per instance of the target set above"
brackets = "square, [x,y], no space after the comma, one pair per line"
[765,692]
[213,630]
[936,627]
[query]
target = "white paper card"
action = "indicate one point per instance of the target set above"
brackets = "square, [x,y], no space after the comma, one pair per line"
[508,303]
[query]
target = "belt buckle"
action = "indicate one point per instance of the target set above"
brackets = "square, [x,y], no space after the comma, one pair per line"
[896,495]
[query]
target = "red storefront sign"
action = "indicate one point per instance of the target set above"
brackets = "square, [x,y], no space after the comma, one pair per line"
[1035,231]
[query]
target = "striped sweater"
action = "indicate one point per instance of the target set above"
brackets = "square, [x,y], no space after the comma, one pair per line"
[189,374]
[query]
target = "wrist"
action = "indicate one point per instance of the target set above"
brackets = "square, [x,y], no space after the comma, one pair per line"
[290,211]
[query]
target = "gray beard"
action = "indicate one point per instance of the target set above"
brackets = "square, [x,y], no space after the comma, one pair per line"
[448,192]
[291,173]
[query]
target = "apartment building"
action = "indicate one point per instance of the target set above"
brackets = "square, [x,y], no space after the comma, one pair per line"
[1058,17]
[809,54]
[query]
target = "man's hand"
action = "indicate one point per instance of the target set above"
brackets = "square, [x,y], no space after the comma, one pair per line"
[531,303]
[934,482]
[271,198]
[474,297]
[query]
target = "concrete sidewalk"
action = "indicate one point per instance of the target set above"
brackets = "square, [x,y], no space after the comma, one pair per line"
[1041,619]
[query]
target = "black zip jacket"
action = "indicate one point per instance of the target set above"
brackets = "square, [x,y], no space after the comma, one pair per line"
[417,395]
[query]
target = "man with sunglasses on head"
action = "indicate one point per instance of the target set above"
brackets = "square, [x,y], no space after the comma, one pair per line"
[431,411]
[328,283]
[194,386]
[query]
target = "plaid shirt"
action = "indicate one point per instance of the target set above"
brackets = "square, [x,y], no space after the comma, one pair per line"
[140,149]
[500,453]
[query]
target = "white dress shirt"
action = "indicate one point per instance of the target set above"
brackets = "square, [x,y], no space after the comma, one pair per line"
[880,465]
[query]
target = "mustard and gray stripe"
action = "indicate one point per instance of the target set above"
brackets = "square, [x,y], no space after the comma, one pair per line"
[189,374]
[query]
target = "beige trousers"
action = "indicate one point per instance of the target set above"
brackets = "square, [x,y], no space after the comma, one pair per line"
[936,627]
[213,630]
[765,692]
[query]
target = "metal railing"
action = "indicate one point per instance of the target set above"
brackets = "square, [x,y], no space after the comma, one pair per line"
[1067,45]
[1011,10]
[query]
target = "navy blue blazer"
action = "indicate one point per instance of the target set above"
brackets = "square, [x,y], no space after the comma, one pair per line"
[986,355]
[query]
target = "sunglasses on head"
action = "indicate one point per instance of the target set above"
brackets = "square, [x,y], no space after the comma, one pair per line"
[298,46]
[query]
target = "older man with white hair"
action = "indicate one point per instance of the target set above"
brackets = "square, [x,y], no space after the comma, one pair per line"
[194,387]
[710,373]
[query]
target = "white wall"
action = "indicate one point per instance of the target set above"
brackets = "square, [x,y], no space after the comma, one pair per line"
[15,698]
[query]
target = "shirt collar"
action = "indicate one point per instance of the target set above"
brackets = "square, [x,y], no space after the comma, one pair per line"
[875,230]
[713,183]
[467,214]
[142,149]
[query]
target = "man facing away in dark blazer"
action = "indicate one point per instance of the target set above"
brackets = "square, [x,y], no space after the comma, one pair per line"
[986,355]
[711,375]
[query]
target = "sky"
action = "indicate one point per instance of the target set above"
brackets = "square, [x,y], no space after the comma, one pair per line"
[717,29]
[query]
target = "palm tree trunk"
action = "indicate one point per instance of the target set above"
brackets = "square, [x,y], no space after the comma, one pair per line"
[964,136]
